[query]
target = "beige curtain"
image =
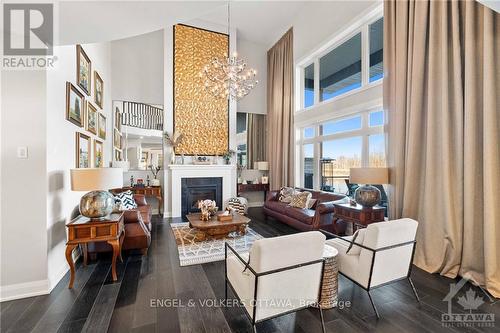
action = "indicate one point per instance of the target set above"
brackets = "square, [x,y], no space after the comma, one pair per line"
[441,95]
[280,143]
[256,138]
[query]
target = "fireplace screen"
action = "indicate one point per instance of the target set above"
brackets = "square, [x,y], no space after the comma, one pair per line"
[195,189]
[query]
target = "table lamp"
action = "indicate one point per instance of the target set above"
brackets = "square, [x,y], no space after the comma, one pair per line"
[99,202]
[262,166]
[367,195]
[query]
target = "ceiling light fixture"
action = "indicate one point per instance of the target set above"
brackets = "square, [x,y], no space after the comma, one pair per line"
[228,77]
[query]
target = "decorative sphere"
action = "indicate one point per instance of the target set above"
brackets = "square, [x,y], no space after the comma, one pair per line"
[97,204]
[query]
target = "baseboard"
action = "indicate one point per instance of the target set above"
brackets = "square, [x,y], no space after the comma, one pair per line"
[255,204]
[23,290]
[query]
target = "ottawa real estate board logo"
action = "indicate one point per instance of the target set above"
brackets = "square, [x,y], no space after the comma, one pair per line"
[28,35]
[473,301]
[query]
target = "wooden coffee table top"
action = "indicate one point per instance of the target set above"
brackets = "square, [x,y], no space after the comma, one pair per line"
[195,221]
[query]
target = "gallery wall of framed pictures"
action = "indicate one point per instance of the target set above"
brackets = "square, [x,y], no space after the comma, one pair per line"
[86,111]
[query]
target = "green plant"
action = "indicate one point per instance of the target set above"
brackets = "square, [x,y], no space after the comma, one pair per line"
[228,154]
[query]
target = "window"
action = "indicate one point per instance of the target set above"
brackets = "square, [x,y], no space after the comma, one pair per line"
[340,126]
[376,50]
[241,138]
[340,70]
[308,132]
[241,122]
[309,166]
[242,154]
[309,85]
[377,118]
[337,157]
[377,150]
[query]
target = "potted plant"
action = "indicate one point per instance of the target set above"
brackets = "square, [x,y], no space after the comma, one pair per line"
[173,141]
[155,171]
[227,156]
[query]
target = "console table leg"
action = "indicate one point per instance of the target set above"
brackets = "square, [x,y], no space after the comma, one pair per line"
[115,243]
[85,254]
[69,259]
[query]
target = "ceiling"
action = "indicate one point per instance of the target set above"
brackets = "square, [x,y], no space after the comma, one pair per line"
[100,21]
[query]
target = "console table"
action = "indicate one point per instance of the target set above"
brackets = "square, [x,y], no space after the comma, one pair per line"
[83,230]
[358,215]
[148,191]
[253,188]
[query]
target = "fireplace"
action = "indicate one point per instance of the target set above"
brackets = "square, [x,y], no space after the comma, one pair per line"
[195,189]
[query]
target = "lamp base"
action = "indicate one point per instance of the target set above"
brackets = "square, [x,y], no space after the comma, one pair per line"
[367,196]
[97,204]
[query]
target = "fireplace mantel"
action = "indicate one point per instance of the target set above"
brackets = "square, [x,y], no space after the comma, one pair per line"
[176,172]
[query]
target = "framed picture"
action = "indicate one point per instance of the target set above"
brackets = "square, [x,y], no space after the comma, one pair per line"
[75,105]
[102,126]
[118,119]
[91,118]
[118,155]
[98,154]
[117,139]
[98,89]
[82,150]
[83,70]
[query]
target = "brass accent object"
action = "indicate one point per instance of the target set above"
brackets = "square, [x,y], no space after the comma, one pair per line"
[97,204]
[202,118]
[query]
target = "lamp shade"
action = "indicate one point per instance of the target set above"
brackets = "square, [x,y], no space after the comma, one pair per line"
[92,179]
[262,166]
[369,175]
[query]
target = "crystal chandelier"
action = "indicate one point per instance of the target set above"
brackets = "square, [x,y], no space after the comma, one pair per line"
[228,77]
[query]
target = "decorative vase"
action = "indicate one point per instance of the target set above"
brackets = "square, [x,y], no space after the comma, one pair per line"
[155,182]
[228,161]
[367,196]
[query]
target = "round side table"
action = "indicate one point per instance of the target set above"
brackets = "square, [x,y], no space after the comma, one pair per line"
[329,288]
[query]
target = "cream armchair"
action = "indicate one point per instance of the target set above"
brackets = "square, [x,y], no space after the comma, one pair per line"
[380,254]
[279,276]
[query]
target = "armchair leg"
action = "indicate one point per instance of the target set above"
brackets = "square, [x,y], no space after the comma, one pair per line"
[413,289]
[373,304]
[322,319]
[254,328]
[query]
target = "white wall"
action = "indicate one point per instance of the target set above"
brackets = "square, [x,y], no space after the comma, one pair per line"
[255,55]
[23,185]
[137,68]
[61,145]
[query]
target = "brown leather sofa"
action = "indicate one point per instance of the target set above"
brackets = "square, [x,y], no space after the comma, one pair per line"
[137,229]
[320,214]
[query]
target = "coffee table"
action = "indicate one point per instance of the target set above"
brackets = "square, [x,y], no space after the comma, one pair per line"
[217,229]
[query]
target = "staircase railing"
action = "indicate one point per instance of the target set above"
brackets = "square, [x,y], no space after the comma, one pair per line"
[142,115]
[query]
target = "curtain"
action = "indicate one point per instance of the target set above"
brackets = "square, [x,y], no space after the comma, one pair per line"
[280,143]
[441,96]
[256,138]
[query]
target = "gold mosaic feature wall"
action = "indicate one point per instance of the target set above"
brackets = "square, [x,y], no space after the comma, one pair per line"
[202,118]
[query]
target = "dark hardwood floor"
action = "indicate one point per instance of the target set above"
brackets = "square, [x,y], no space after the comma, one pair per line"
[95,304]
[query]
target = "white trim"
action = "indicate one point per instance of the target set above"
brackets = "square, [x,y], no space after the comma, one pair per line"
[23,290]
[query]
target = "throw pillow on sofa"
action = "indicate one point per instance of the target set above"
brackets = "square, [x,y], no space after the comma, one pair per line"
[300,199]
[285,194]
[125,200]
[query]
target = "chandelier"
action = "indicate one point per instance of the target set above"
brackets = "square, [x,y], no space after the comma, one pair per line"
[227,77]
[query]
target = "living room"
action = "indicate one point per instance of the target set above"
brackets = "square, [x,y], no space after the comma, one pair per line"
[250,166]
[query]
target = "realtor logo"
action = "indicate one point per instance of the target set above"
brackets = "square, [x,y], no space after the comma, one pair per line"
[470,301]
[28,29]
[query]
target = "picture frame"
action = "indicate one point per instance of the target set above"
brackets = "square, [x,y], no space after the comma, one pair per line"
[83,150]
[118,155]
[98,154]
[101,132]
[83,70]
[98,90]
[75,105]
[117,138]
[92,120]
[118,120]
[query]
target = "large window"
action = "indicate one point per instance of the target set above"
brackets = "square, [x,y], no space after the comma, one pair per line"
[350,63]
[340,70]
[309,166]
[376,50]
[351,142]
[309,86]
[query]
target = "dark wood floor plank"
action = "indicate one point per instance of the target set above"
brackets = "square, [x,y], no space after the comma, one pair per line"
[14,311]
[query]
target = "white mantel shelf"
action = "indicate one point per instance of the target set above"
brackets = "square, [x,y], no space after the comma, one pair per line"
[176,172]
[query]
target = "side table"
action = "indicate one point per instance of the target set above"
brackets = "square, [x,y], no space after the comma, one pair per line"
[329,288]
[83,230]
[359,216]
